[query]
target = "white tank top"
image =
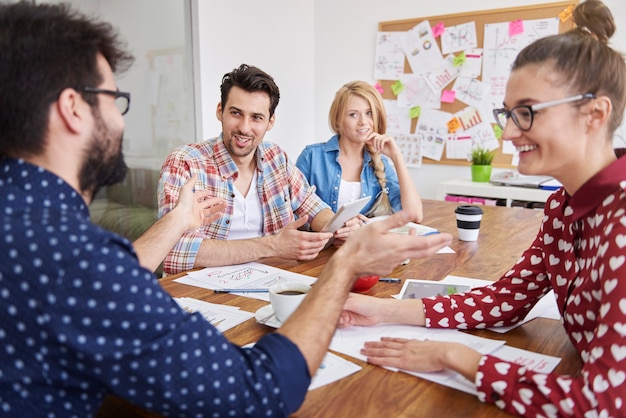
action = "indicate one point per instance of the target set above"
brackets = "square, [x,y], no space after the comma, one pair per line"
[349,191]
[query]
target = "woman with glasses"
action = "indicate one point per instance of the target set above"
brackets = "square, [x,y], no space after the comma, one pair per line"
[563,102]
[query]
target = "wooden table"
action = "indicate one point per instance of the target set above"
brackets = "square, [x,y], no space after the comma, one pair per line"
[376,392]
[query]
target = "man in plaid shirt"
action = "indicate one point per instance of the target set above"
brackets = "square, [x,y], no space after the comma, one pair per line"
[267,198]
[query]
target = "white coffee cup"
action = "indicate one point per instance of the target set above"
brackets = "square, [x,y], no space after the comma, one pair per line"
[468,219]
[286,297]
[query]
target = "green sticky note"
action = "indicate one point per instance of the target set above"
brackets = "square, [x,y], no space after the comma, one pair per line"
[459,60]
[397,87]
[415,112]
[497,130]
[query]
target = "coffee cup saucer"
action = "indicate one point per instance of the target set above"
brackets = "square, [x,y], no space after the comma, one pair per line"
[266,316]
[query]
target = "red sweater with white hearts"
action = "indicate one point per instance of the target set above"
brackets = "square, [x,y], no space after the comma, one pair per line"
[578,252]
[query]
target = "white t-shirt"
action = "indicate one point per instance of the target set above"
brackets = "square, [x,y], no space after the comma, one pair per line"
[247,219]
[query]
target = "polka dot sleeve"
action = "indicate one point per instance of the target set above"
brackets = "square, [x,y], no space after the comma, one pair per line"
[81,319]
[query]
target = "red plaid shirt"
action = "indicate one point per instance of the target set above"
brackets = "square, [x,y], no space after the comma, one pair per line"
[283,191]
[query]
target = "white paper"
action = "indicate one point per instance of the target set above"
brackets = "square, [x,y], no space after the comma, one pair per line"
[410,147]
[468,117]
[432,127]
[349,341]
[243,276]
[398,119]
[500,50]
[474,93]
[389,63]
[472,66]
[535,362]
[416,93]
[332,369]
[458,146]
[483,136]
[443,74]
[459,38]
[222,317]
[421,49]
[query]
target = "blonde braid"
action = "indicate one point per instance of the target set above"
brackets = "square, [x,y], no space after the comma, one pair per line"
[382,206]
[379,167]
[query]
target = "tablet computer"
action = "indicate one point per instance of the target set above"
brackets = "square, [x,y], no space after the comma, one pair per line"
[345,213]
[417,289]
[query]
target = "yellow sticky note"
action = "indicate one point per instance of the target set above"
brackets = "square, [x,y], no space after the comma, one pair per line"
[397,87]
[459,60]
[566,14]
[497,130]
[453,125]
[415,112]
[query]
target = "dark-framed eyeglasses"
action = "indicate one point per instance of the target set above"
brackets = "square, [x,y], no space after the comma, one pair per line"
[122,99]
[524,115]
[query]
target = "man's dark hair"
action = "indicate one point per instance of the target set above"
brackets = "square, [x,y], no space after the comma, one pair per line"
[250,79]
[45,49]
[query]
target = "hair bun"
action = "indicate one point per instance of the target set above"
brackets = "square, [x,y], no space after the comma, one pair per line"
[593,17]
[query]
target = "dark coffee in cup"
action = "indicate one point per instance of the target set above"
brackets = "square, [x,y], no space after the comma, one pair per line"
[291,292]
[285,298]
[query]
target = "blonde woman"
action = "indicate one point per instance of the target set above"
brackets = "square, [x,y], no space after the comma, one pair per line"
[354,163]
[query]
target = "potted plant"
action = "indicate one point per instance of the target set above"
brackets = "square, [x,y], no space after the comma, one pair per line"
[481,164]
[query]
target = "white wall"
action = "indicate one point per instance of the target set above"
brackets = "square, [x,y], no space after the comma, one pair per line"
[276,36]
[312,47]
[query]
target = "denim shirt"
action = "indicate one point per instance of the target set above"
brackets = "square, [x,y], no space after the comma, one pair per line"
[320,165]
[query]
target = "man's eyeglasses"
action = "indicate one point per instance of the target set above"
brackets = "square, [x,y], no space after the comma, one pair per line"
[524,115]
[122,99]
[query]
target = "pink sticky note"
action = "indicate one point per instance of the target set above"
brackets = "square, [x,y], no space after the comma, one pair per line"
[378,87]
[438,29]
[448,96]
[516,27]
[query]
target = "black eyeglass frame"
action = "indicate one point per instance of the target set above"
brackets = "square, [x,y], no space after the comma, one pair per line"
[115,93]
[532,109]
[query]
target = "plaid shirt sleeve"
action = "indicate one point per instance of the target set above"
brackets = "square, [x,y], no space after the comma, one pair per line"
[175,172]
[285,191]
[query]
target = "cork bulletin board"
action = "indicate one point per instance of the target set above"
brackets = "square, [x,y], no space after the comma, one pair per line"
[559,10]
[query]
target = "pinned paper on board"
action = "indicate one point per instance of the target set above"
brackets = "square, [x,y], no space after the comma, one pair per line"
[459,38]
[411,148]
[459,69]
[389,56]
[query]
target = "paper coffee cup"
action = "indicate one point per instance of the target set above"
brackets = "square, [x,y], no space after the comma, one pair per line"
[286,297]
[468,219]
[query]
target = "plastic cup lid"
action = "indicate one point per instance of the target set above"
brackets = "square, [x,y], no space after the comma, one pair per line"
[468,210]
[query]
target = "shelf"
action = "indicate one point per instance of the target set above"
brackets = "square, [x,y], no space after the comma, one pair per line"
[464,187]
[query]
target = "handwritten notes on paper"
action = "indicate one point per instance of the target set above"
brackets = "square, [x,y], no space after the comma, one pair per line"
[222,317]
[501,45]
[243,276]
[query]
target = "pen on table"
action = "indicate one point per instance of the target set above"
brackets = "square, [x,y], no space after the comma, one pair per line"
[389,280]
[241,290]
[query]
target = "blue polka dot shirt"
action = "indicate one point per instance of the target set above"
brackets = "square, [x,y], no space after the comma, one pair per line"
[80,318]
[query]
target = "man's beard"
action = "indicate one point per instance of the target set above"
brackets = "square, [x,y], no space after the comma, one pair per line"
[101,168]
